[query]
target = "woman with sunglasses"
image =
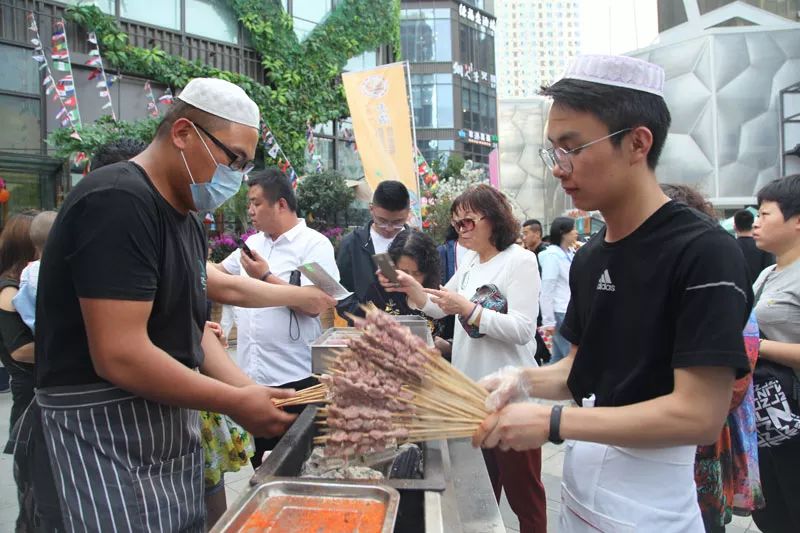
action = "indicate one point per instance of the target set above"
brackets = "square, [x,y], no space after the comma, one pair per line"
[494,293]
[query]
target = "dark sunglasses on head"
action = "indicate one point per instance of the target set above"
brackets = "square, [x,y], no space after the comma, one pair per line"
[236,162]
[465,224]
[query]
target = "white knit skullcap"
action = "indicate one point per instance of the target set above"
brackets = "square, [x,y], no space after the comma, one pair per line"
[222,99]
[619,71]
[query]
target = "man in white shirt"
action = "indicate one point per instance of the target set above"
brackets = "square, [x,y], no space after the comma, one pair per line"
[273,342]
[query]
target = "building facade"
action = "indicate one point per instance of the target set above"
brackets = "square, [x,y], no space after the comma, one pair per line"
[451,50]
[203,30]
[536,39]
[672,13]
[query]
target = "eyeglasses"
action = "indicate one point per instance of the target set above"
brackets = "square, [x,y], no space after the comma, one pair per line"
[387,224]
[465,224]
[563,158]
[237,162]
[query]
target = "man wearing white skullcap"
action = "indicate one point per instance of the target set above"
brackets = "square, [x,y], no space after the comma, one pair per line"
[121,331]
[659,300]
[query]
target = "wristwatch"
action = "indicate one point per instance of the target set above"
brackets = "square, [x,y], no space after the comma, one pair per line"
[265,276]
[555,425]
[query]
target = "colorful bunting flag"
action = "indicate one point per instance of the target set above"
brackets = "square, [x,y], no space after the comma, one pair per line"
[104,84]
[166,98]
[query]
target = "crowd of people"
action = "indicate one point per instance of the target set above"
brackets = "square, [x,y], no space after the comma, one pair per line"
[672,374]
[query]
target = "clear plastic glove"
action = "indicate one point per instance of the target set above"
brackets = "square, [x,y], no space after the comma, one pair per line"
[507,385]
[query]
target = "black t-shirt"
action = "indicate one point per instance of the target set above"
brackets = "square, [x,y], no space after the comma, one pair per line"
[757,259]
[673,294]
[116,238]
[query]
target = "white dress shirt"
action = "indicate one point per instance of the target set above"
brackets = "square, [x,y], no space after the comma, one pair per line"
[265,348]
[556,263]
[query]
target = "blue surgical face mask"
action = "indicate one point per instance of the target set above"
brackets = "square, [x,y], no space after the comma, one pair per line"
[223,185]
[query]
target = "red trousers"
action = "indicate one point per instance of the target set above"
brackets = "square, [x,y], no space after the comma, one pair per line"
[520,474]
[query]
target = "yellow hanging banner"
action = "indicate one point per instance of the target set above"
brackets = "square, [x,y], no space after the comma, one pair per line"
[378,102]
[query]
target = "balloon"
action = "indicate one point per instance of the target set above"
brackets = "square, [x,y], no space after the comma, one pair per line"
[4,195]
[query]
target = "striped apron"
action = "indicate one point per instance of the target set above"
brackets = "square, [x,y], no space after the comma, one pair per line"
[122,463]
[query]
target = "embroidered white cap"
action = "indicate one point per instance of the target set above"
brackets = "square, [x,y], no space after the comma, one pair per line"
[620,71]
[221,98]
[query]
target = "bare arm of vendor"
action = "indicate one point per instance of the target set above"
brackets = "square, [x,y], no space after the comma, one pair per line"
[691,414]
[247,292]
[123,354]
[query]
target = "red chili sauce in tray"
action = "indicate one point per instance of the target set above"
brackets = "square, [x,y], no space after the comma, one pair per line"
[309,514]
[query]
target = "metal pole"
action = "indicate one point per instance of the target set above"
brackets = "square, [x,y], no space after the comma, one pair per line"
[414,137]
[781,141]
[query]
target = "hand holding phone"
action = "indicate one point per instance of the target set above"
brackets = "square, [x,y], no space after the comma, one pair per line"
[246,249]
[386,266]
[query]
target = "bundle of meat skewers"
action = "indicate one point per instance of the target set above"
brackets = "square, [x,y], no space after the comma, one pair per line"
[388,388]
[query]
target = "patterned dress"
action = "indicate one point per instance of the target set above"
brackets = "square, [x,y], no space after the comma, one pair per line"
[226,446]
[726,472]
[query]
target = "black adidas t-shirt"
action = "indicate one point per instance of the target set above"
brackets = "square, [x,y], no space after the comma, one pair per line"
[673,294]
[116,238]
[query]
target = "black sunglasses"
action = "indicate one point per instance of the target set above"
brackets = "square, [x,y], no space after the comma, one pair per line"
[236,162]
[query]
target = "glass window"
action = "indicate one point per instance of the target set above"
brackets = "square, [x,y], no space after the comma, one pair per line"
[25,190]
[213,19]
[311,10]
[433,101]
[20,72]
[106,6]
[164,13]
[368,59]
[302,28]
[21,124]
[348,162]
[425,35]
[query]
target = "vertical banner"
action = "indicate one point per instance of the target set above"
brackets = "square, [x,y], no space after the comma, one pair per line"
[494,168]
[378,101]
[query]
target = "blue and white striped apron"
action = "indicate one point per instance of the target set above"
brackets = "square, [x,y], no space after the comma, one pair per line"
[123,463]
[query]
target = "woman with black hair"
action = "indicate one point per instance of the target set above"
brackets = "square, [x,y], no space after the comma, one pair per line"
[556,261]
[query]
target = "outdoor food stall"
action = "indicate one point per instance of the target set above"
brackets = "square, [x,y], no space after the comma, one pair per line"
[372,460]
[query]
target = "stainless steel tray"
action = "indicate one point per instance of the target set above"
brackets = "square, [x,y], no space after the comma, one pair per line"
[240,511]
[320,350]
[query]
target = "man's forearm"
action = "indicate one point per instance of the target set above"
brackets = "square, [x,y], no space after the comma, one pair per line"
[154,375]
[690,415]
[218,365]
[550,382]
[24,354]
[247,292]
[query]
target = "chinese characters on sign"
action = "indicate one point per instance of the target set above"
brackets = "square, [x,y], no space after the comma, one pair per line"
[478,76]
[477,17]
[477,137]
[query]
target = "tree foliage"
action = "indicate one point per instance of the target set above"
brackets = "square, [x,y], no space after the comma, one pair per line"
[323,197]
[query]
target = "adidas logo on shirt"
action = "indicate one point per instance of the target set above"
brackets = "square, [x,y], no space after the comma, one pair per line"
[604,284]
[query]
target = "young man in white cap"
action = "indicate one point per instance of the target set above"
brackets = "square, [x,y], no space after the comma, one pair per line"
[659,300]
[122,292]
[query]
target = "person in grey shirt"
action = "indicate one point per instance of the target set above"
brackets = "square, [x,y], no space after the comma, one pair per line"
[777,290]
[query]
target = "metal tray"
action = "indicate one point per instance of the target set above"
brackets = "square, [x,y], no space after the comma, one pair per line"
[295,446]
[238,514]
[320,351]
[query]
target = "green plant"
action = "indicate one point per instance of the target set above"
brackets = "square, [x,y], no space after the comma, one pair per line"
[302,79]
[102,131]
[322,197]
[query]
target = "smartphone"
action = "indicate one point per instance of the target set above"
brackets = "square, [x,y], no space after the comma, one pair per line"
[246,249]
[386,265]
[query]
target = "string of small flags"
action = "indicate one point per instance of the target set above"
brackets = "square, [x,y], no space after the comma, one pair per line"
[275,151]
[311,147]
[424,170]
[105,82]
[152,108]
[166,98]
[61,62]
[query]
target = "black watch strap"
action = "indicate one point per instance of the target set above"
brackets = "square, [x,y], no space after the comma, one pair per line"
[555,425]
